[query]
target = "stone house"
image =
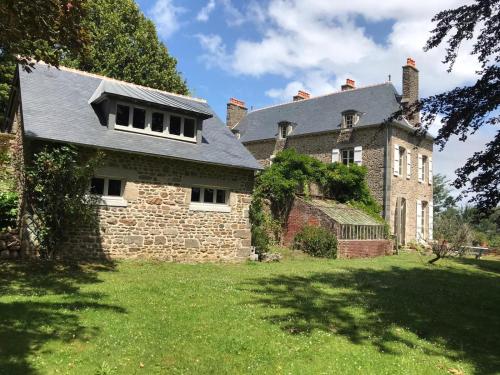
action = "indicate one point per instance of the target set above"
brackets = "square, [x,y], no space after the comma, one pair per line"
[355,125]
[175,184]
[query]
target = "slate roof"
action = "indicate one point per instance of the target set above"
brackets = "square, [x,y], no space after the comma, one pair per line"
[55,106]
[344,214]
[322,113]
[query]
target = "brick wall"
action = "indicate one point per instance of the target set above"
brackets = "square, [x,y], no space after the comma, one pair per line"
[302,214]
[364,248]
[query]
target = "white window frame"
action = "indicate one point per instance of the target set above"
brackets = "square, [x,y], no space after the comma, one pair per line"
[351,149]
[408,164]
[111,200]
[423,170]
[149,119]
[402,155]
[284,128]
[211,207]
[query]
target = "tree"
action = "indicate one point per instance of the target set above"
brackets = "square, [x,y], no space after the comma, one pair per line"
[40,30]
[124,45]
[466,109]
[452,233]
[56,194]
[441,197]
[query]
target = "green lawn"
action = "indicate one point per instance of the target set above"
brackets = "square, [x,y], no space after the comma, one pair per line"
[392,315]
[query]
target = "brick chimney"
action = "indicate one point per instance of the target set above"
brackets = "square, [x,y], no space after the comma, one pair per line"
[236,110]
[410,90]
[349,85]
[301,95]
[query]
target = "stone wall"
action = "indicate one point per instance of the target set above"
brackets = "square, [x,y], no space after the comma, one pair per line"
[158,223]
[410,189]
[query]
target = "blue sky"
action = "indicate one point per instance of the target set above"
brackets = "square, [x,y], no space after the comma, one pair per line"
[262,52]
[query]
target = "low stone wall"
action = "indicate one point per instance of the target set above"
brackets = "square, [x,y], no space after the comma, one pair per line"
[364,248]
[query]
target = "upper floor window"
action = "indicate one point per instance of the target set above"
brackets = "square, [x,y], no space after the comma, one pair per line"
[422,167]
[154,122]
[402,154]
[284,130]
[349,119]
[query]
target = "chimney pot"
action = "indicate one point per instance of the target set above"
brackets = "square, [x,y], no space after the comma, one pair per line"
[410,62]
[349,84]
[301,95]
[237,102]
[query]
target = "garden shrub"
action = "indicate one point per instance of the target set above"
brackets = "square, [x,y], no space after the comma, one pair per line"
[316,241]
[8,209]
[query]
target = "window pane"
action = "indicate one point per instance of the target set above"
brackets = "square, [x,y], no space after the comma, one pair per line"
[122,112]
[139,120]
[157,122]
[97,186]
[189,128]
[221,196]
[195,194]
[115,188]
[209,196]
[175,125]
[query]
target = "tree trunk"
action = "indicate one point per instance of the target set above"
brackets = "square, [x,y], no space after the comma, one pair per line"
[435,259]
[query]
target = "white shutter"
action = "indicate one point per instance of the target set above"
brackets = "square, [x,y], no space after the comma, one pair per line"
[419,221]
[335,155]
[430,171]
[358,155]
[396,160]
[431,220]
[420,168]
[408,164]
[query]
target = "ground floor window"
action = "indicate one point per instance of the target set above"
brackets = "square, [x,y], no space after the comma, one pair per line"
[110,190]
[208,199]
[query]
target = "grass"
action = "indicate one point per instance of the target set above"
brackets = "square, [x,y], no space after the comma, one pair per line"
[391,315]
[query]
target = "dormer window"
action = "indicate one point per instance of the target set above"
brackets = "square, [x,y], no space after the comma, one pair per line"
[154,122]
[349,119]
[284,130]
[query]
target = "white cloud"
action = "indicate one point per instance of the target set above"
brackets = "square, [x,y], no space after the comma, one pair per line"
[204,13]
[216,51]
[304,40]
[165,15]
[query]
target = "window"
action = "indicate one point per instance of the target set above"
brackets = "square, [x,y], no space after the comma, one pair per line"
[110,190]
[422,216]
[348,156]
[175,125]
[122,114]
[349,120]
[209,199]
[157,122]
[401,160]
[106,187]
[189,127]
[139,118]
[423,169]
[283,131]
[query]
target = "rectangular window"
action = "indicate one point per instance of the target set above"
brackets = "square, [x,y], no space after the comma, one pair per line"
[220,197]
[139,118]
[401,160]
[189,127]
[208,196]
[114,188]
[157,122]
[175,125]
[422,217]
[349,121]
[97,186]
[195,194]
[122,114]
[284,131]
[348,156]
[424,168]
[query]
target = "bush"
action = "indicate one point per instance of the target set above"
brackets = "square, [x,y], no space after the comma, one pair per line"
[260,239]
[8,209]
[316,241]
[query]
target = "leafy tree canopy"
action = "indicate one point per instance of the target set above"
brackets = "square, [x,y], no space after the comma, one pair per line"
[466,109]
[124,45]
[441,197]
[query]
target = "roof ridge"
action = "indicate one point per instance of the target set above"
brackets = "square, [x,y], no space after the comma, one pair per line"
[322,96]
[95,75]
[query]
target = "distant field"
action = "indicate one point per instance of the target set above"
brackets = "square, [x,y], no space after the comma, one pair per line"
[391,315]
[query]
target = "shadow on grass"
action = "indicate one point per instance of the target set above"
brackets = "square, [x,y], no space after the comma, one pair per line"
[40,303]
[455,308]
